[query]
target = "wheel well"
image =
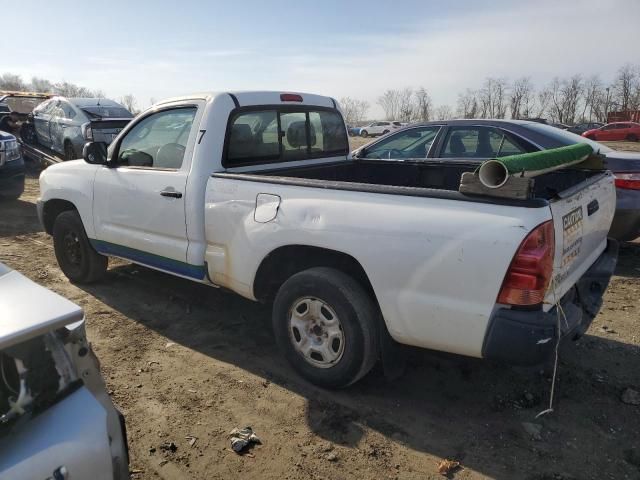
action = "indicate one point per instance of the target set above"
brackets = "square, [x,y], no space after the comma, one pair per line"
[53,208]
[286,261]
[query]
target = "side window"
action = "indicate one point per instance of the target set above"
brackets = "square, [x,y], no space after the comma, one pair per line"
[479,142]
[158,141]
[68,110]
[412,143]
[273,135]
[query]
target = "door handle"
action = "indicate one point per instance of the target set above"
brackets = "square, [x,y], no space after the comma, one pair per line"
[171,194]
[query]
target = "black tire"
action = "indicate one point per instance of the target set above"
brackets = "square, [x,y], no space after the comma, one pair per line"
[632,137]
[76,257]
[591,137]
[364,134]
[358,319]
[69,151]
[385,132]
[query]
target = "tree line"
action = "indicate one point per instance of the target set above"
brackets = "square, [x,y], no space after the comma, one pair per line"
[568,100]
[15,83]
[563,100]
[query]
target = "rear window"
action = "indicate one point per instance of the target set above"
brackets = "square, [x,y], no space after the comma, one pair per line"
[279,135]
[99,111]
[564,137]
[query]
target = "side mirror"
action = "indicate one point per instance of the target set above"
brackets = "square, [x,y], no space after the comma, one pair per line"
[95,153]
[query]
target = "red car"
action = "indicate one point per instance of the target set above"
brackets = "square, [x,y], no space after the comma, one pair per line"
[615,131]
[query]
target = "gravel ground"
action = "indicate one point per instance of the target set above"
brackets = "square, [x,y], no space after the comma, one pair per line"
[186,361]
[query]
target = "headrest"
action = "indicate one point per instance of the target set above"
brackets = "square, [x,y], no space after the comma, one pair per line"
[297,134]
[241,132]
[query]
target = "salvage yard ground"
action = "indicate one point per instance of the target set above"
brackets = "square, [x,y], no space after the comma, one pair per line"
[188,363]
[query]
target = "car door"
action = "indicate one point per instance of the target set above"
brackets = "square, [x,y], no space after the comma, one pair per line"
[139,199]
[41,117]
[58,123]
[607,133]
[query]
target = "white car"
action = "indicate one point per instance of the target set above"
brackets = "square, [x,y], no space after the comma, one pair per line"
[257,193]
[379,128]
[56,418]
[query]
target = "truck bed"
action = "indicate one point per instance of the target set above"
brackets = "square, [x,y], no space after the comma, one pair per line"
[419,178]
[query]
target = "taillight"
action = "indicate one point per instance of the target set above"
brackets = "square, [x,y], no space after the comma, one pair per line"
[628,181]
[530,271]
[290,97]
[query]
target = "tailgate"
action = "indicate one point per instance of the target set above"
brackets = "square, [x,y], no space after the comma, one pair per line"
[107,130]
[582,216]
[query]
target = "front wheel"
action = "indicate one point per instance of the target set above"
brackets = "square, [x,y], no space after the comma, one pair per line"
[326,326]
[632,137]
[76,257]
[364,134]
[591,137]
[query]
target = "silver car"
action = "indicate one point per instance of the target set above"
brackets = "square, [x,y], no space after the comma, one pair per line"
[56,418]
[65,124]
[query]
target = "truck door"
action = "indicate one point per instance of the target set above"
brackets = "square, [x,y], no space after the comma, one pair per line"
[139,199]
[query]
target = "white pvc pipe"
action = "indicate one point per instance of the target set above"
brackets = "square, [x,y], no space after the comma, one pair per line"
[493,174]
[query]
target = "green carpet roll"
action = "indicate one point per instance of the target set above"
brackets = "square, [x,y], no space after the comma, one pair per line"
[494,173]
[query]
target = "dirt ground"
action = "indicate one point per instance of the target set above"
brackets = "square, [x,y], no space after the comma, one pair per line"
[185,361]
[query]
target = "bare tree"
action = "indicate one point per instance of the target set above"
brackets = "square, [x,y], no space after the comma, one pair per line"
[544,99]
[423,105]
[625,87]
[354,110]
[11,81]
[129,101]
[493,98]
[468,104]
[40,85]
[443,112]
[594,99]
[68,89]
[406,105]
[390,103]
[521,98]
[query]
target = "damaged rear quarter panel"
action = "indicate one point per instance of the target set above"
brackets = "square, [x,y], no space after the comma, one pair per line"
[435,265]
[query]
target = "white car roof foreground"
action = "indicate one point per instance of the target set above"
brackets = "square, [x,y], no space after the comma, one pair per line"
[258,98]
[28,310]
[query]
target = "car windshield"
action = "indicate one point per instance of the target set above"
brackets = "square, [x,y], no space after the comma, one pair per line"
[100,111]
[23,104]
[564,137]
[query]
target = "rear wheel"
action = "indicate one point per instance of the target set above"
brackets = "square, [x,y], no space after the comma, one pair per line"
[591,137]
[326,326]
[385,132]
[69,151]
[632,137]
[76,257]
[364,133]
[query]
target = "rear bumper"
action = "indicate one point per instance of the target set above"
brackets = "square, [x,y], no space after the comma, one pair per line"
[626,224]
[525,337]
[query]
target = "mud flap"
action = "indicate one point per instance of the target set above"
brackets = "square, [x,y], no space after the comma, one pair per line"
[393,355]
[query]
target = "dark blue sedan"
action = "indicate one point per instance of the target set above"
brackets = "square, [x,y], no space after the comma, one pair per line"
[479,140]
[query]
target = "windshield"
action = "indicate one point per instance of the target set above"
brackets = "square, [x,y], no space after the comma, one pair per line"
[23,104]
[564,137]
[99,111]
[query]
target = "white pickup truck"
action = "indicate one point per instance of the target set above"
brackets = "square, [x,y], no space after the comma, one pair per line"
[256,192]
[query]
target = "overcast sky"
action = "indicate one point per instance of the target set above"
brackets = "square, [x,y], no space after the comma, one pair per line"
[334,47]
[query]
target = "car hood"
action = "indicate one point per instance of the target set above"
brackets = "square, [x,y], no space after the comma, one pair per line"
[28,310]
[618,161]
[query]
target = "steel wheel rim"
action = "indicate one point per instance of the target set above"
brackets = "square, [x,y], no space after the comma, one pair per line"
[72,249]
[315,332]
